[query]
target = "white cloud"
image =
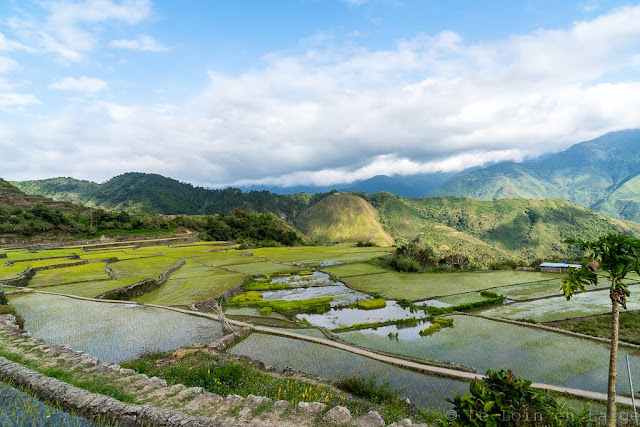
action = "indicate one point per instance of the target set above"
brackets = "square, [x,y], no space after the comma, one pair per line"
[88,85]
[9,45]
[142,43]
[433,103]
[72,27]
[7,64]
[16,101]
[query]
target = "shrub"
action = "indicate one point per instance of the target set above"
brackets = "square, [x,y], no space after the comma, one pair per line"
[503,399]
[367,389]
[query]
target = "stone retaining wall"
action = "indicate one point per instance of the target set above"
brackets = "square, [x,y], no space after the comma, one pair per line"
[139,288]
[67,264]
[22,279]
[92,405]
[209,303]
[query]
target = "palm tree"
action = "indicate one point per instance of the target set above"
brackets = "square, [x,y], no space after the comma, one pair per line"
[617,255]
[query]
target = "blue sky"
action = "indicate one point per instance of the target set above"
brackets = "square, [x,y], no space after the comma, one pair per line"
[291,92]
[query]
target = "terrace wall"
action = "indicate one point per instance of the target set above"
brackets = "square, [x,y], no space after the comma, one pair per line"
[140,288]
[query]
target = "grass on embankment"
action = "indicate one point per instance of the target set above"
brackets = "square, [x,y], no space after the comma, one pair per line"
[600,326]
[82,380]
[254,299]
[223,376]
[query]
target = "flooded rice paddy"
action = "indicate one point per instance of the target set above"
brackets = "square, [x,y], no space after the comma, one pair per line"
[558,308]
[111,332]
[18,409]
[334,364]
[482,344]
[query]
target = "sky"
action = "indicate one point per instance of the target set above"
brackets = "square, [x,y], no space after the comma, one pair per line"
[307,92]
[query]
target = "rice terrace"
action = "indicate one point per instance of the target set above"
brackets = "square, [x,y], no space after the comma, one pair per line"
[294,213]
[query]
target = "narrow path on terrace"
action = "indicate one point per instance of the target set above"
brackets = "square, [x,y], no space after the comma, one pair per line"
[414,366]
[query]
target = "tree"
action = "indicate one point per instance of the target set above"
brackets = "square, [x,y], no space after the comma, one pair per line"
[617,255]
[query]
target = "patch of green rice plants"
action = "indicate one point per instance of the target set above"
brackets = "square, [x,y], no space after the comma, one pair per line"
[11,271]
[420,286]
[412,321]
[76,273]
[312,305]
[357,269]
[92,289]
[600,326]
[264,284]
[487,302]
[182,290]
[143,267]
[371,304]
[257,268]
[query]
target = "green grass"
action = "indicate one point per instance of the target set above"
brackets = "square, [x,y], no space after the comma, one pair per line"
[312,305]
[259,268]
[217,374]
[558,308]
[92,289]
[76,273]
[143,267]
[9,272]
[93,384]
[419,286]
[190,284]
[600,326]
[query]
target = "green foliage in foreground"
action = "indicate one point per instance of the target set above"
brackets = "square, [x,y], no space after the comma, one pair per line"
[222,376]
[502,399]
[3,297]
[254,299]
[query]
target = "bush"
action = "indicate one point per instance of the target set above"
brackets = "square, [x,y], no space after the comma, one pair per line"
[503,399]
[367,389]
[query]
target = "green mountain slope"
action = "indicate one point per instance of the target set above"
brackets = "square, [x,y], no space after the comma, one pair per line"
[523,228]
[585,174]
[142,192]
[343,218]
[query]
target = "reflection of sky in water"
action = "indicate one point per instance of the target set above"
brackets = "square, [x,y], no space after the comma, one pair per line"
[316,279]
[534,354]
[404,332]
[349,316]
[112,332]
[334,364]
[340,293]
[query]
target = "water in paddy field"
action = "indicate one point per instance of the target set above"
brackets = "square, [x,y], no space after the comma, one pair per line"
[319,285]
[350,316]
[534,354]
[112,332]
[18,409]
[334,364]
[340,293]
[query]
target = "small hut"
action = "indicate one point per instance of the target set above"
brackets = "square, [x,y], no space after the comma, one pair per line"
[557,267]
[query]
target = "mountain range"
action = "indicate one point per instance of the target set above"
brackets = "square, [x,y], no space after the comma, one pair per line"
[602,174]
